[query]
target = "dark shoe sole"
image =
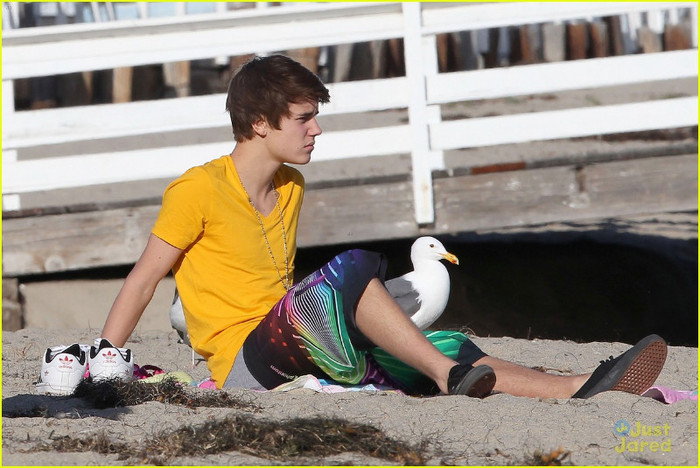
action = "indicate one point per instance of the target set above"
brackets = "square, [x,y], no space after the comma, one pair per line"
[644,370]
[636,370]
[477,383]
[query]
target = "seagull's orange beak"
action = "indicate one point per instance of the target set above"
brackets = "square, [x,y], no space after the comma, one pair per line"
[451,258]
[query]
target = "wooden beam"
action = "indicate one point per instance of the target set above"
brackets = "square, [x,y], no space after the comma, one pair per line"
[529,197]
[12,313]
[345,215]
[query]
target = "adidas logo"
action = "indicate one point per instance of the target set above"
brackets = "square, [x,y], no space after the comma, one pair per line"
[65,362]
[110,357]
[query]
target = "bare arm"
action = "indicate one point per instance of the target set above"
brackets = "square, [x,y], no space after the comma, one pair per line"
[156,261]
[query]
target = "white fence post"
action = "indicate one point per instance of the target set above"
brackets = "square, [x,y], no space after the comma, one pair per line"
[418,114]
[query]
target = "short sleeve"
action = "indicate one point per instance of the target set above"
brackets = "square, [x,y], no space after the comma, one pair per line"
[183,215]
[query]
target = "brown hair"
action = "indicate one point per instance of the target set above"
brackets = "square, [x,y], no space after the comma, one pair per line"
[264,87]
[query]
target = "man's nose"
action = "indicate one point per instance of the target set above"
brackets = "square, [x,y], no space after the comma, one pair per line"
[315,128]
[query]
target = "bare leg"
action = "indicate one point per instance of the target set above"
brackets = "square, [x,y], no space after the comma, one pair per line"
[381,320]
[391,330]
[522,381]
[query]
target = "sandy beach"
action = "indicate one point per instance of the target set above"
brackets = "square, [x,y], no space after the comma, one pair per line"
[498,430]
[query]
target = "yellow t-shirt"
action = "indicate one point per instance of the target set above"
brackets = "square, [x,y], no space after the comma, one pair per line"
[226,278]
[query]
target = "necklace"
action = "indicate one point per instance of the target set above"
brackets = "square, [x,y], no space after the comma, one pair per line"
[285,280]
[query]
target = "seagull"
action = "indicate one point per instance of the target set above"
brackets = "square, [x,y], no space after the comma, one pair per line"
[423,292]
[177,319]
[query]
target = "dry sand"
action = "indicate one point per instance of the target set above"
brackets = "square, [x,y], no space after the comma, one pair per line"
[499,430]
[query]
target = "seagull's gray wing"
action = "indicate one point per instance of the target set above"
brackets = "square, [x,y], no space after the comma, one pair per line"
[404,294]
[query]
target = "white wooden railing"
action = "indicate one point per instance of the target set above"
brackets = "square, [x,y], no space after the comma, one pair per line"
[54,50]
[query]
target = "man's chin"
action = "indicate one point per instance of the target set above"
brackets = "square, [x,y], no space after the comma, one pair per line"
[300,161]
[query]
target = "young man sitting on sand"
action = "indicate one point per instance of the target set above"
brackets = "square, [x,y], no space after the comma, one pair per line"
[227,229]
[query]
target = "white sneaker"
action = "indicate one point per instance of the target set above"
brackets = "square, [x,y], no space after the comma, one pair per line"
[109,362]
[62,369]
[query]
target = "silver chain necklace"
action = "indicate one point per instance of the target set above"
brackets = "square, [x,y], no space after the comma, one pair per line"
[285,280]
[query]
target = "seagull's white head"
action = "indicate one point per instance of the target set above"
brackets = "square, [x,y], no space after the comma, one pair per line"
[429,248]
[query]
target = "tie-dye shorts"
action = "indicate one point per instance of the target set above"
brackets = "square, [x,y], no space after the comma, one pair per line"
[312,330]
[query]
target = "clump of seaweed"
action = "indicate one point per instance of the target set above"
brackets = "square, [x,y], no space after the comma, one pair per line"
[552,458]
[272,440]
[114,393]
[100,443]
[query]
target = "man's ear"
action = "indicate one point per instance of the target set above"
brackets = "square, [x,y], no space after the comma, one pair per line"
[260,127]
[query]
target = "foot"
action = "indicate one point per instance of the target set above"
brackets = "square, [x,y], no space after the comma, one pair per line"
[476,382]
[634,371]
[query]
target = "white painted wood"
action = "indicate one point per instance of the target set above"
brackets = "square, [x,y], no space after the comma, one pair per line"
[112,167]
[208,38]
[561,76]
[49,126]
[466,16]
[102,168]
[10,15]
[63,125]
[9,156]
[568,123]
[128,43]
[72,171]
[379,141]
[11,202]
[359,96]
[655,21]
[8,103]
[417,57]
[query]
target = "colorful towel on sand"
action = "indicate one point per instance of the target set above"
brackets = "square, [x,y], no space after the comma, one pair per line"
[322,386]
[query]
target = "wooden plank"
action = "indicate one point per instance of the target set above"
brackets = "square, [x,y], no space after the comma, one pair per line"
[48,51]
[343,215]
[103,168]
[553,77]
[12,310]
[217,37]
[352,214]
[521,198]
[657,184]
[74,241]
[569,123]
[33,128]
[465,17]
[30,128]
